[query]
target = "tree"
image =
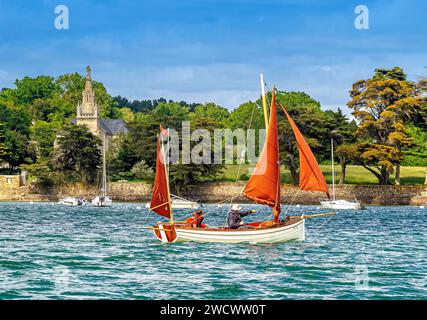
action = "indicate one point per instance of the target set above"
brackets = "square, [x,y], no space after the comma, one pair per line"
[78,152]
[184,177]
[170,114]
[126,114]
[16,149]
[345,153]
[29,89]
[43,134]
[382,105]
[343,132]
[211,111]
[248,115]
[421,120]
[2,143]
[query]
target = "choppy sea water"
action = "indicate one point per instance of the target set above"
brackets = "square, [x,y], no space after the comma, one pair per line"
[53,252]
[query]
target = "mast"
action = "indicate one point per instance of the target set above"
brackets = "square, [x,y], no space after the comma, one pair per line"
[333,169]
[104,171]
[264,101]
[167,175]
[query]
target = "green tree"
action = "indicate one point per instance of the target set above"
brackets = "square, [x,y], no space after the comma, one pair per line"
[2,143]
[78,153]
[248,115]
[170,114]
[382,106]
[16,145]
[29,89]
[43,134]
[343,132]
[211,111]
[184,177]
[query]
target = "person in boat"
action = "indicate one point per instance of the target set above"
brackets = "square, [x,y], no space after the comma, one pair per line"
[235,216]
[196,220]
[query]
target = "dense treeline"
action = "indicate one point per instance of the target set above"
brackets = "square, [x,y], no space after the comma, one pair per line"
[389,130]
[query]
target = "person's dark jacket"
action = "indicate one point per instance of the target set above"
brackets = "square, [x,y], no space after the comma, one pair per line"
[235,217]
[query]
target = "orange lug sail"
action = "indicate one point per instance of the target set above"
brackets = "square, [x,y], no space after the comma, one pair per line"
[264,185]
[160,197]
[310,175]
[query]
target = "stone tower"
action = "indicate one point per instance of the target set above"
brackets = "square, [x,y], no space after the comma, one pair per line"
[87,111]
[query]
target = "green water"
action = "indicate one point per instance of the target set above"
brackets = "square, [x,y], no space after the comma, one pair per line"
[52,252]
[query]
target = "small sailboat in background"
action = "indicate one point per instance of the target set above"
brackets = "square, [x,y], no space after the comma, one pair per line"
[102,199]
[180,203]
[333,203]
[263,188]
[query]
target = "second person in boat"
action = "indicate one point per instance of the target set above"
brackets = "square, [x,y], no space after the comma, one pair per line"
[235,216]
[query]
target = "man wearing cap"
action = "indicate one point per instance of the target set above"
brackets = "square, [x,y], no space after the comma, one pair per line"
[235,216]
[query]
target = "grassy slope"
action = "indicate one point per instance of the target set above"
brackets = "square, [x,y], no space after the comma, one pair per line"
[355,174]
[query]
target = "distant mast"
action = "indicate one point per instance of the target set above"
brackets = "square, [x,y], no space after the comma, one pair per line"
[104,171]
[333,169]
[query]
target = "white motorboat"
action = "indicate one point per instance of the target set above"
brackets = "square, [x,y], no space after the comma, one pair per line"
[71,201]
[333,203]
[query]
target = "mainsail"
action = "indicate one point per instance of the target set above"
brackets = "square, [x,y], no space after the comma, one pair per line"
[160,199]
[263,186]
[310,175]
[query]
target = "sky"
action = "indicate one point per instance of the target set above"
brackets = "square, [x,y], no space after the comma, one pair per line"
[213,51]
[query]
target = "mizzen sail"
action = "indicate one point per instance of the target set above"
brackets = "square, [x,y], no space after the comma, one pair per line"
[160,199]
[310,175]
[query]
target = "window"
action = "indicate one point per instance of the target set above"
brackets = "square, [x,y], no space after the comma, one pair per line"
[8,180]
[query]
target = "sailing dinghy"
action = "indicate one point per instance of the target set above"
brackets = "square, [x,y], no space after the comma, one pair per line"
[263,188]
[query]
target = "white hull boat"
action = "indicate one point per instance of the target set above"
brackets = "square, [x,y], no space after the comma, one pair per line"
[102,201]
[340,205]
[290,230]
[70,201]
[180,204]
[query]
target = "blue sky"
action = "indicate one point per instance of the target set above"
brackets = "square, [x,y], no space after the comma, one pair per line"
[201,51]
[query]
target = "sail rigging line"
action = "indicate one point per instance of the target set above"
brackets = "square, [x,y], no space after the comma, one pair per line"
[292,201]
[323,223]
[250,125]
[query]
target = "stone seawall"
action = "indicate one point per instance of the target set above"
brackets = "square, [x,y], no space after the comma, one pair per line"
[221,191]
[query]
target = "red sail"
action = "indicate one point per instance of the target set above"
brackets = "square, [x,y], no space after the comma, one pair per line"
[310,175]
[160,196]
[264,185]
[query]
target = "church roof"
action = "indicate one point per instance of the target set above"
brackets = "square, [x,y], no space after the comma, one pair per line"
[110,126]
[113,126]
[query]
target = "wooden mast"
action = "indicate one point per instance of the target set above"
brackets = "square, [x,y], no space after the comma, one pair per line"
[264,101]
[167,174]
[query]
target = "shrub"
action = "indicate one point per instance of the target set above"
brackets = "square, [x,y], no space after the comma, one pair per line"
[142,171]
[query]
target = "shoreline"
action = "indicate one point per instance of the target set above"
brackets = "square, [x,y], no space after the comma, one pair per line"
[216,192]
